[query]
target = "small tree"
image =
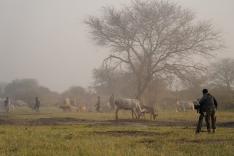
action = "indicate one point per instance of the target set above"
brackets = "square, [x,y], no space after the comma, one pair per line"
[223,73]
[154,39]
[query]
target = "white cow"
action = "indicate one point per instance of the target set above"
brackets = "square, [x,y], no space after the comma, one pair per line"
[19,103]
[184,106]
[150,110]
[126,104]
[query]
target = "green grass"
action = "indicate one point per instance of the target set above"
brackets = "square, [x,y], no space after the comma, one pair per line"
[113,139]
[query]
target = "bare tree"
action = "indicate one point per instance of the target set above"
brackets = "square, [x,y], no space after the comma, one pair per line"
[154,39]
[223,73]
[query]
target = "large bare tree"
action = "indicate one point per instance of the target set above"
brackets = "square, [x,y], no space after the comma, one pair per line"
[154,39]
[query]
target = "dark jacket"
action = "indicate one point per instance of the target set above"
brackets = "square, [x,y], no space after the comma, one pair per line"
[208,103]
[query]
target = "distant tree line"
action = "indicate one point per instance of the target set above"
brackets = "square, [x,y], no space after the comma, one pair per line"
[27,89]
[163,93]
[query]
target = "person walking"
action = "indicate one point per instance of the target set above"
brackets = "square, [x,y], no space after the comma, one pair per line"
[37,104]
[7,104]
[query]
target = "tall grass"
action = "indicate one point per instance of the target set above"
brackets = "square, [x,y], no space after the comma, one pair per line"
[90,140]
[94,139]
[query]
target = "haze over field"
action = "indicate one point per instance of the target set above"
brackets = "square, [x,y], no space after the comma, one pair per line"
[48,40]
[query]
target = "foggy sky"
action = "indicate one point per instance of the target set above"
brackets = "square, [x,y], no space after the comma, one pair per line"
[47,39]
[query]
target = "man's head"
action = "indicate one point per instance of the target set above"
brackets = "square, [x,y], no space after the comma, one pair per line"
[205,91]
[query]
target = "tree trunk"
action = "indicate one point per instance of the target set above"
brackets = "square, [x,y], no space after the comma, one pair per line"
[141,87]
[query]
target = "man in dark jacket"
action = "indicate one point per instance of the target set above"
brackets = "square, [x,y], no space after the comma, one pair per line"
[208,106]
[37,104]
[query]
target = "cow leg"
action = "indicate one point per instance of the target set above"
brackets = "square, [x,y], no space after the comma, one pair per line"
[154,116]
[116,113]
[134,114]
[137,115]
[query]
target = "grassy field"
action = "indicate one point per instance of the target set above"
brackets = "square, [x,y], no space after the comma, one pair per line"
[91,134]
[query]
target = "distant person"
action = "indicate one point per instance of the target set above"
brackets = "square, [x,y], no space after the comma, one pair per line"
[7,104]
[98,104]
[208,107]
[37,104]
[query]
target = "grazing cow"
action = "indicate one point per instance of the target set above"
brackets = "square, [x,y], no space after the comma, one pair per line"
[81,108]
[150,110]
[184,106]
[19,103]
[126,104]
[67,101]
[66,108]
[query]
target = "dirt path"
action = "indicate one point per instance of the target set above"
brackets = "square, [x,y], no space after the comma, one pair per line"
[74,121]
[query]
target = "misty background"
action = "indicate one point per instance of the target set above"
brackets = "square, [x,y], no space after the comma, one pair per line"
[47,40]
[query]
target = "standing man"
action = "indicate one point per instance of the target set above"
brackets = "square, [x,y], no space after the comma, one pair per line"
[7,104]
[98,104]
[208,107]
[37,104]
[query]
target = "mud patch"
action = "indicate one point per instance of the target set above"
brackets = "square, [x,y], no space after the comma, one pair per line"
[147,141]
[205,141]
[45,121]
[74,121]
[227,124]
[131,133]
[55,121]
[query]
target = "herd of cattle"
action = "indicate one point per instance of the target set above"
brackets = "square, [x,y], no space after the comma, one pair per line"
[69,105]
[137,109]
